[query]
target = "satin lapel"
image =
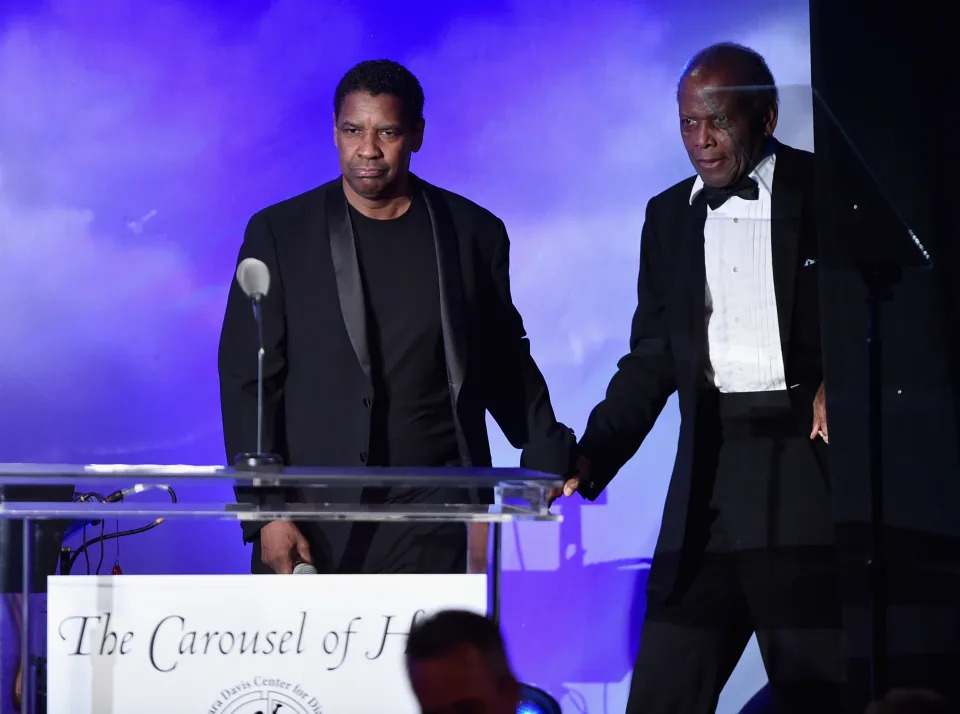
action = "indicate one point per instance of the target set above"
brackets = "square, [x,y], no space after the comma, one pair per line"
[452,318]
[785,224]
[347,270]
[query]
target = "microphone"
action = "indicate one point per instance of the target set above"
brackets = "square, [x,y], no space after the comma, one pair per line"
[253,276]
[302,568]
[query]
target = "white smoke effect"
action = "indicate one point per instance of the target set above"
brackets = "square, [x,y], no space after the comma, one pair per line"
[128,170]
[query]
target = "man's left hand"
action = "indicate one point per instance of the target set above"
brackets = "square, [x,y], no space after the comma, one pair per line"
[820,416]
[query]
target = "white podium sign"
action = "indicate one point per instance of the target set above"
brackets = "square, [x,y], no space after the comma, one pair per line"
[240,644]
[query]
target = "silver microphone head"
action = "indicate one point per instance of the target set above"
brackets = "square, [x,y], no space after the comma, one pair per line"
[304,569]
[254,277]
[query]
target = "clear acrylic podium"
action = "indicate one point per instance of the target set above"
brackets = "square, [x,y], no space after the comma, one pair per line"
[43,504]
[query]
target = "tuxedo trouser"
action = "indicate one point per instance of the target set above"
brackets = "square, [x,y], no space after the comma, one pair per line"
[760,559]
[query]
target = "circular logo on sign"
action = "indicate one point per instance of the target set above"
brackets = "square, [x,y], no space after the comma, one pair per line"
[265,701]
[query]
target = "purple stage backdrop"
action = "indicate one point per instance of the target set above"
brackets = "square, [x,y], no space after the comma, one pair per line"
[136,139]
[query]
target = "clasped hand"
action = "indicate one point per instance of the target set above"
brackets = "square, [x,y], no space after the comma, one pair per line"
[572,483]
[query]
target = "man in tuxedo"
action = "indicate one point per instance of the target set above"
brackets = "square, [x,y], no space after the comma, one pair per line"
[389,332]
[727,316]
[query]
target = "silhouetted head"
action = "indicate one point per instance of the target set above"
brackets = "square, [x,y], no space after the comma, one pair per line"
[457,663]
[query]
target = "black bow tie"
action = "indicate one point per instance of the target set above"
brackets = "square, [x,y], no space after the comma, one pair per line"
[746,188]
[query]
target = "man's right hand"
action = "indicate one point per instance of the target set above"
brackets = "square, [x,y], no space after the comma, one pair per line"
[571,485]
[282,545]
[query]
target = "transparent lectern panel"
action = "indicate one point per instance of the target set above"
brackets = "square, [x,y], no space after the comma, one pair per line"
[852,196]
[137,580]
[808,218]
[55,491]
[858,187]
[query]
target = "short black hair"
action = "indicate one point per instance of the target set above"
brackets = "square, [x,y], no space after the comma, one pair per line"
[750,65]
[382,77]
[440,634]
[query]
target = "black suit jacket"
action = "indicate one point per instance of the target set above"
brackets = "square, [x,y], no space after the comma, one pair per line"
[668,350]
[318,393]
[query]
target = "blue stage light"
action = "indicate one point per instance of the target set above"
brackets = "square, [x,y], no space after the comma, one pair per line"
[534,700]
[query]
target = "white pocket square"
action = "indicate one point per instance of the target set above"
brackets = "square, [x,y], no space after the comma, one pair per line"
[809,261]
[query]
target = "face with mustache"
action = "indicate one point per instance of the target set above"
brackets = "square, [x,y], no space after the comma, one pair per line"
[374,140]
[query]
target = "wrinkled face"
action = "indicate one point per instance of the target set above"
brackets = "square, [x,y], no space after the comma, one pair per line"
[460,682]
[374,143]
[721,129]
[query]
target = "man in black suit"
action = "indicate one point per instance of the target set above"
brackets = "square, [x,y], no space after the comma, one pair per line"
[389,332]
[727,316]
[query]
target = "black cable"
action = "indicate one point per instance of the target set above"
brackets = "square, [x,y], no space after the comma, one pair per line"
[84,548]
[82,498]
[109,536]
[103,528]
[86,555]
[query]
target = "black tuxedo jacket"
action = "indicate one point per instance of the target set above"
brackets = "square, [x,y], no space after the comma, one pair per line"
[318,392]
[668,350]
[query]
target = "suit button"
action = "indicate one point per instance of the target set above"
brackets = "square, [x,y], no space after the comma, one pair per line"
[363,456]
[366,402]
